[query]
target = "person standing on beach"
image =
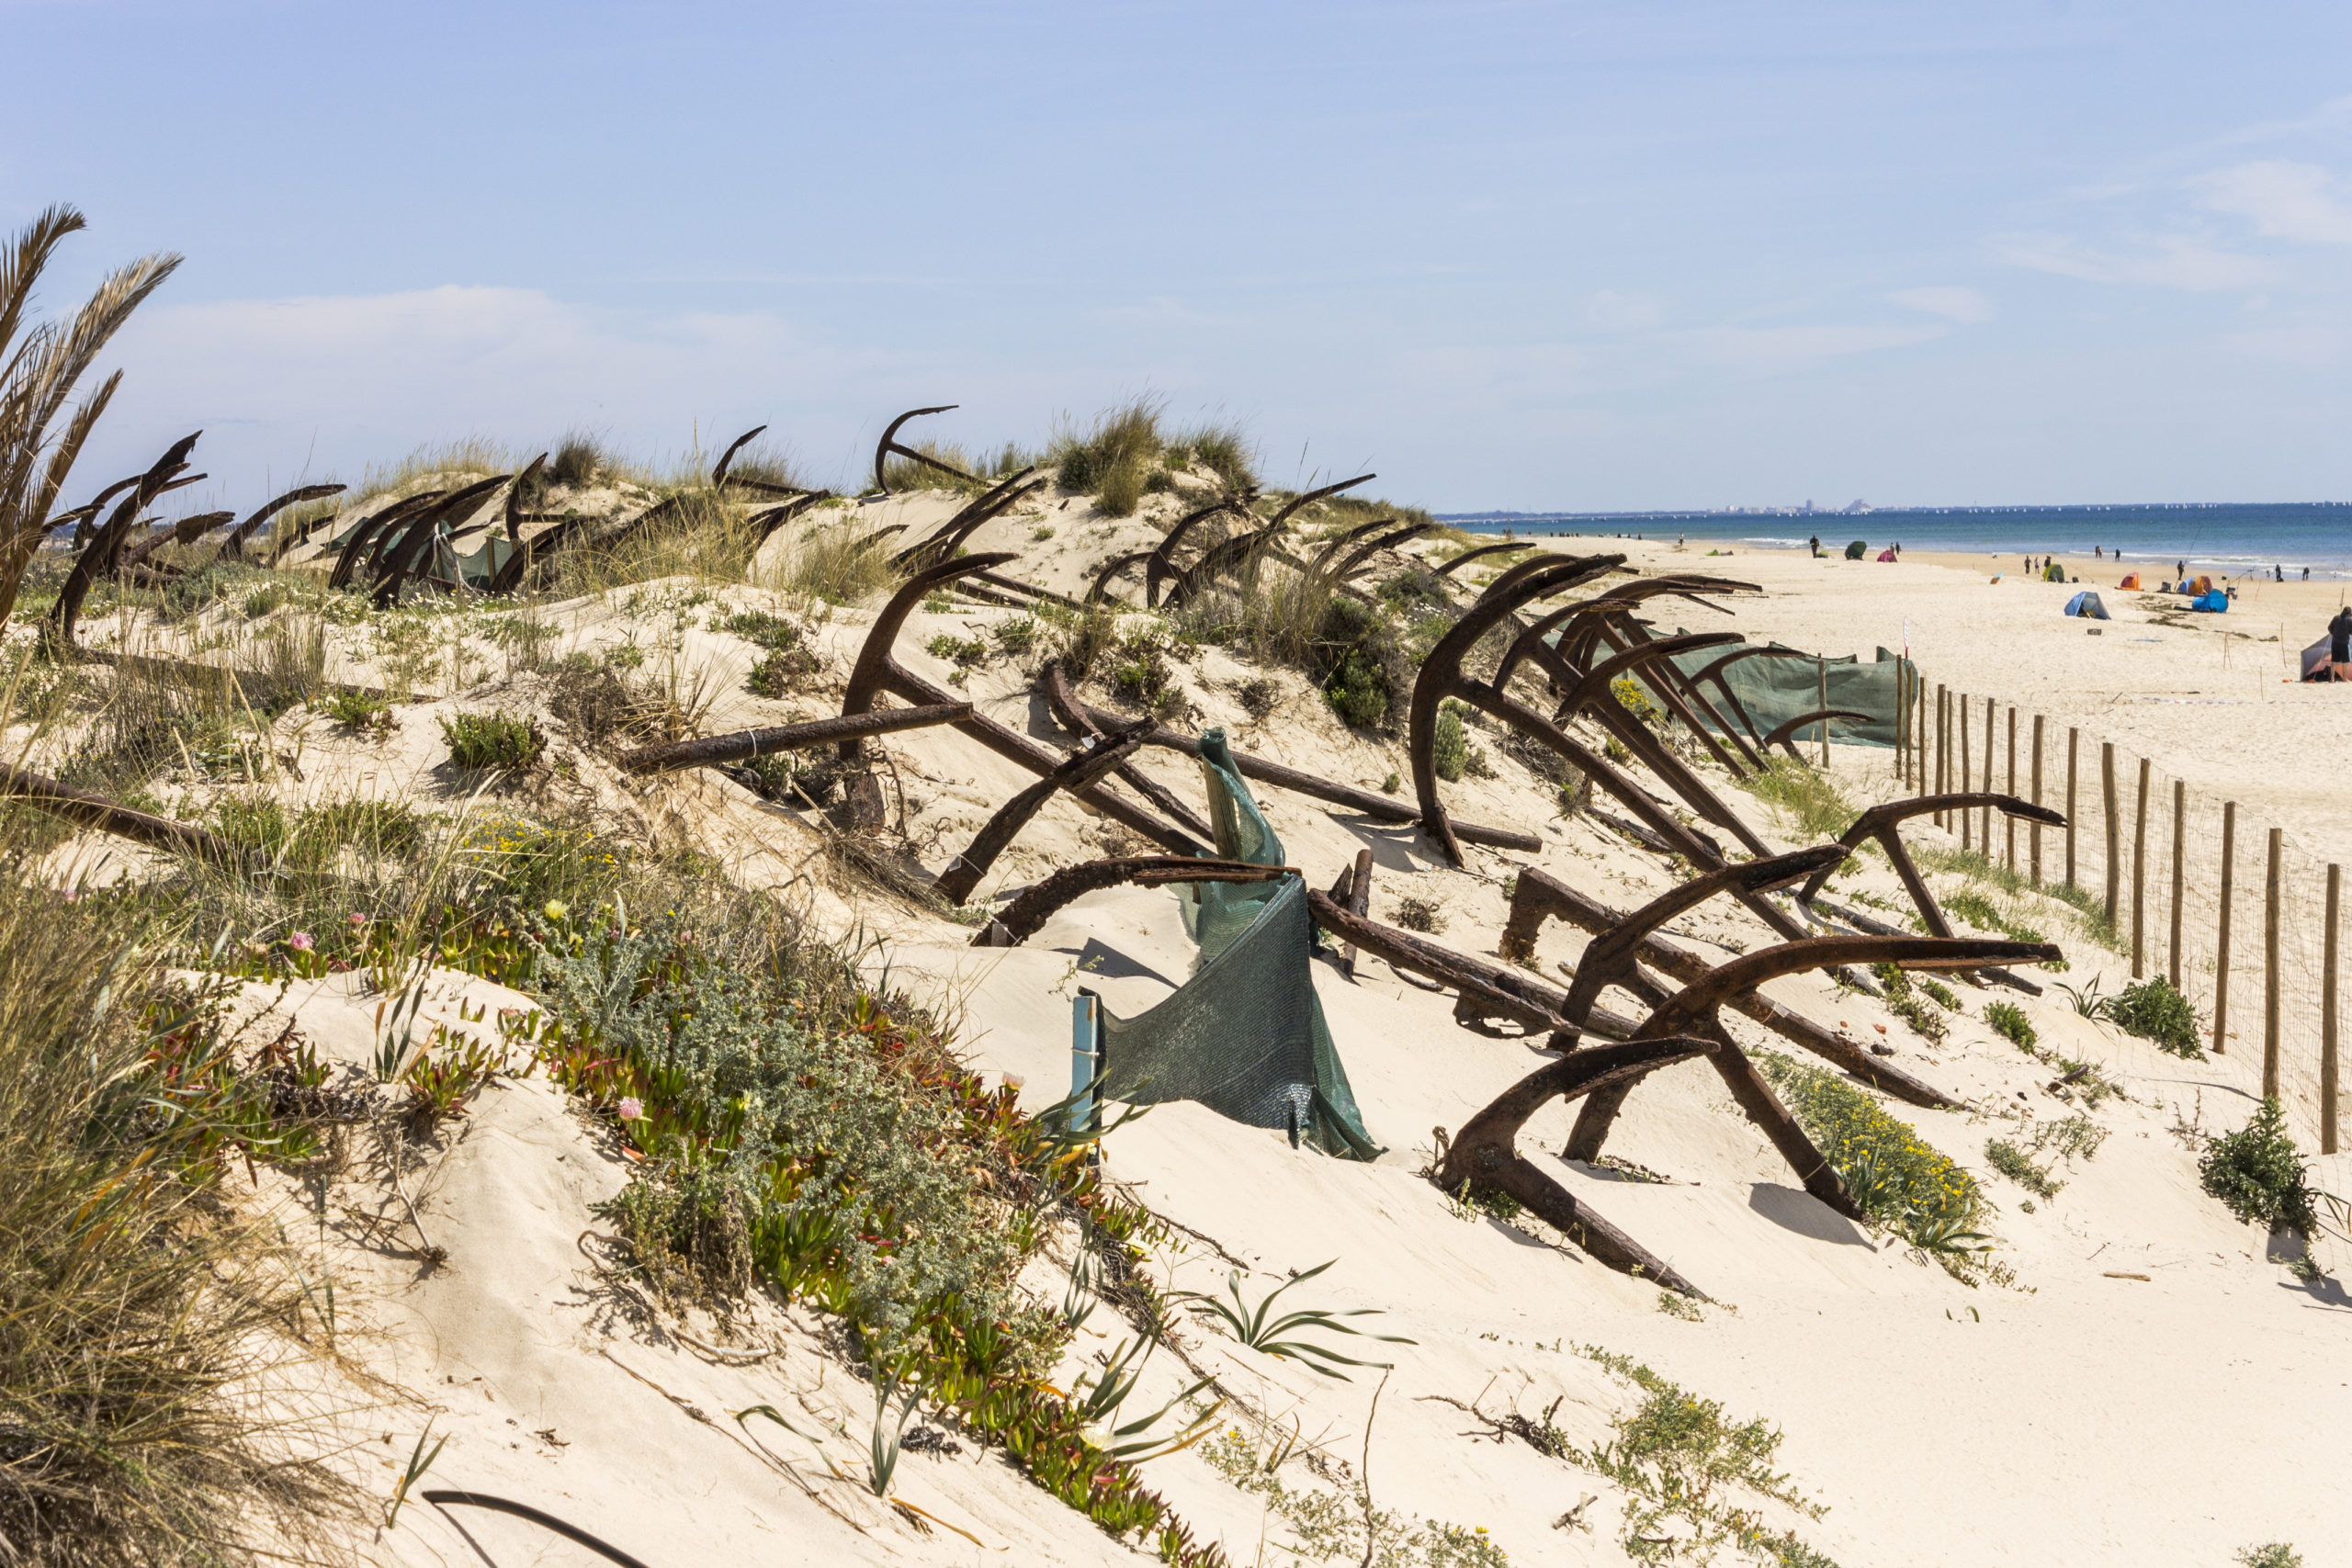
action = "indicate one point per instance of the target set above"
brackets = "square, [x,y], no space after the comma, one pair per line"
[1813,545]
[2339,645]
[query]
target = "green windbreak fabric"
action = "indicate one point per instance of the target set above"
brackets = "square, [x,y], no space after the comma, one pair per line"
[1245,1035]
[1776,688]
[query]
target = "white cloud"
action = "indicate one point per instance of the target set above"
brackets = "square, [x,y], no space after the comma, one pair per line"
[1612,310]
[2286,201]
[2172,263]
[1963,305]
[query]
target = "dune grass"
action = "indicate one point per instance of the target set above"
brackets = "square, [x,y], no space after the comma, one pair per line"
[1112,458]
[133,1308]
[832,560]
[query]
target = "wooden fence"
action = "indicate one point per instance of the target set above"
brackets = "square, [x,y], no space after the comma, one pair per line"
[2158,865]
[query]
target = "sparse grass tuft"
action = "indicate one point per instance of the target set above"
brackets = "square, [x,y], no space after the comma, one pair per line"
[1811,797]
[2008,1020]
[501,741]
[579,460]
[2012,1162]
[835,562]
[1420,915]
[1112,460]
[1681,1461]
[134,1309]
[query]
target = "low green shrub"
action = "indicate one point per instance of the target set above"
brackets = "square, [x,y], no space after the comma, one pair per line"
[1451,749]
[2258,1175]
[2008,1020]
[2155,1012]
[2013,1162]
[966,650]
[362,711]
[1899,1181]
[1903,1001]
[501,740]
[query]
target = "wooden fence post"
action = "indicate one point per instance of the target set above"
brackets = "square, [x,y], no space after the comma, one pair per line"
[2327,1018]
[1901,728]
[2072,737]
[2140,877]
[2270,969]
[2114,832]
[2033,834]
[1967,819]
[2009,823]
[1943,743]
[1984,823]
[2222,936]
[2179,844]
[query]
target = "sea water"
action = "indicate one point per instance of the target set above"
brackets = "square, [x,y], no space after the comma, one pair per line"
[2225,539]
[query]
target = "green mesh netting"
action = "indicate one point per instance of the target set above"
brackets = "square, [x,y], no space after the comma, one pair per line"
[1245,1035]
[1776,689]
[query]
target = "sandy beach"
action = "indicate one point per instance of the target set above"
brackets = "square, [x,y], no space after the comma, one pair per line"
[2210,699]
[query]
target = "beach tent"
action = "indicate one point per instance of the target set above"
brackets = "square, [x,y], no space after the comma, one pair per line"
[2212,600]
[1886,555]
[2086,606]
[2201,585]
[2131,580]
[2315,661]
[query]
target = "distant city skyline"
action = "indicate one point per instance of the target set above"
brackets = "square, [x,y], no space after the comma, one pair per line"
[1605,256]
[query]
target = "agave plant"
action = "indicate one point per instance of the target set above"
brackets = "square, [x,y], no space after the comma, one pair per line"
[1259,1328]
[41,364]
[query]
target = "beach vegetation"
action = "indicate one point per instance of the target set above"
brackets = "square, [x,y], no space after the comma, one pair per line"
[136,1306]
[577,461]
[1805,794]
[2008,1020]
[1449,751]
[2153,1011]
[2259,1175]
[1683,1461]
[836,562]
[1422,915]
[1897,1178]
[1904,1000]
[2015,1164]
[500,740]
[1329,1525]
[2270,1554]
[1111,458]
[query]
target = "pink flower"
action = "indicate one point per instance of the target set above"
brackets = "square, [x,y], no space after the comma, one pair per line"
[358,919]
[301,942]
[631,1109]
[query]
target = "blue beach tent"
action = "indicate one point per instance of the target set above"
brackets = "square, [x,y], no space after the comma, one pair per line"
[2213,600]
[2086,606]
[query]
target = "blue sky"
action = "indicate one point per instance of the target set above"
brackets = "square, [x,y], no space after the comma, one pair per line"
[1525,256]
